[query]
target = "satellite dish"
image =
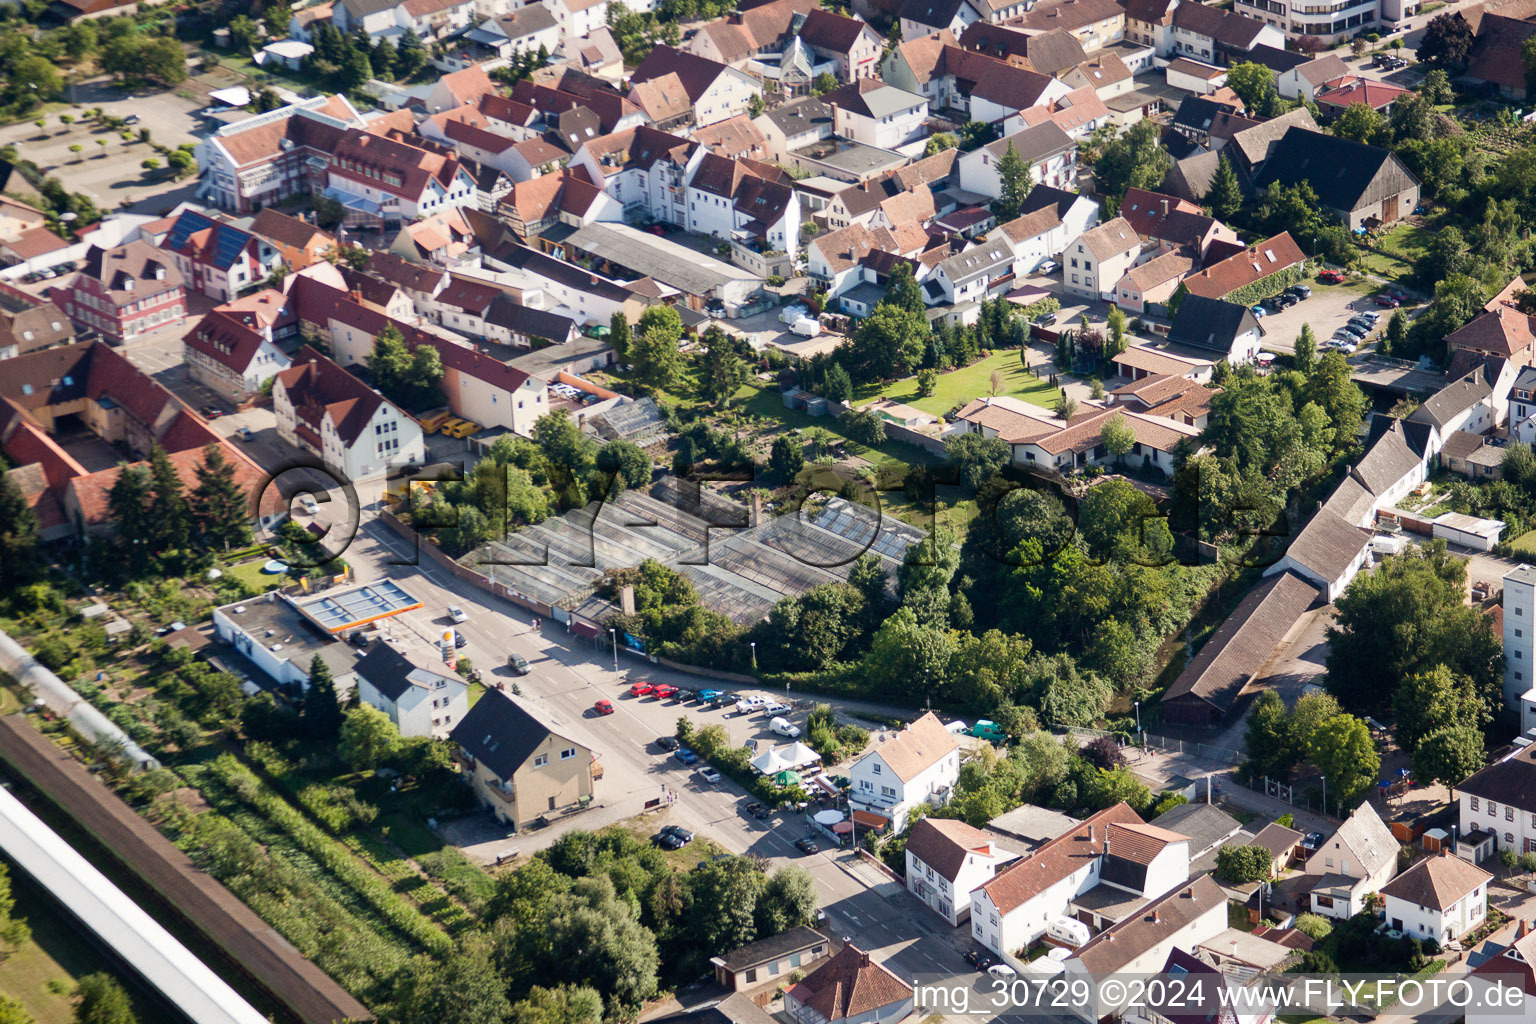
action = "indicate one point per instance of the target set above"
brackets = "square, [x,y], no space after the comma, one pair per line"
[69,216]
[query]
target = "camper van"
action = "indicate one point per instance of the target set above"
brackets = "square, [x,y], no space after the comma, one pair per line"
[1068,931]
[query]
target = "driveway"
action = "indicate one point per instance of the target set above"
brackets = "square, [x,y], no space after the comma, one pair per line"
[1327,310]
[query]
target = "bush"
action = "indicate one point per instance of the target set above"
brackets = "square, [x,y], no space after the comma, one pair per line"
[1528,861]
[1508,858]
[1239,864]
[1313,926]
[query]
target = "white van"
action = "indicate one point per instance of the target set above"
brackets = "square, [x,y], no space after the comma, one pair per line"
[806,327]
[958,728]
[1069,931]
[783,728]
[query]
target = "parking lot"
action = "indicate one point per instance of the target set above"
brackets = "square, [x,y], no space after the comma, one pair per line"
[1329,308]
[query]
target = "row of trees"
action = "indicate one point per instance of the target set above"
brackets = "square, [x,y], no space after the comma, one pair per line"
[347,61]
[1318,732]
[159,523]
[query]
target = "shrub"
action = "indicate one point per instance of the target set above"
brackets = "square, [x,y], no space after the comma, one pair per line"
[1313,926]
[1508,858]
[1239,864]
[1528,861]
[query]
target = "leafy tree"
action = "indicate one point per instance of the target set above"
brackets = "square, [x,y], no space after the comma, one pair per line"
[619,335]
[102,1001]
[1117,437]
[411,378]
[902,291]
[837,385]
[13,930]
[786,457]
[242,34]
[1014,182]
[1065,407]
[463,988]
[864,427]
[1343,751]
[1241,864]
[19,536]
[938,142]
[367,738]
[889,343]
[1133,159]
[927,381]
[180,162]
[1361,123]
[1314,926]
[1436,87]
[1255,86]
[787,901]
[128,501]
[1446,43]
[1306,349]
[593,937]
[627,462]
[724,369]
[1114,322]
[12,1012]
[1431,700]
[217,506]
[321,708]
[825,82]
[1448,755]
[1271,754]
[902,649]
[976,459]
[656,357]
[1405,617]
[565,1004]
[664,320]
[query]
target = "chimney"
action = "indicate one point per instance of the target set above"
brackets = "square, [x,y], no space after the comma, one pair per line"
[1154,916]
[1234,949]
[1523,930]
[1165,207]
[627,599]
[1090,833]
[863,959]
[757,508]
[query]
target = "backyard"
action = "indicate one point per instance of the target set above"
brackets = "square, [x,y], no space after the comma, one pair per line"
[958,387]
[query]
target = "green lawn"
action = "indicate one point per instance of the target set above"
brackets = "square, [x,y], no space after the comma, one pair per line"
[975,381]
[1526,542]
[251,575]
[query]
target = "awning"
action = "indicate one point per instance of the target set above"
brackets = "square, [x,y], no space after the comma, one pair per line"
[828,817]
[869,820]
[842,828]
[585,629]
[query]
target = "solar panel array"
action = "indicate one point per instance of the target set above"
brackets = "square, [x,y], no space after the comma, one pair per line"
[338,610]
[739,571]
[228,240]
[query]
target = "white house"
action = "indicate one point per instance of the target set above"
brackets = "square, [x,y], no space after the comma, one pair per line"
[326,411]
[728,199]
[1113,855]
[526,30]
[492,393]
[1179,919]
[391,19]
[232,353]
[969,276]
[383,182]
[415,688]
[946,860]
[1094,262]
[645,170]
[1050,153]
[1441,898]
[920,764]
[1357,860]
[716,91]
[870,112]
[1514,971]
[1501,799]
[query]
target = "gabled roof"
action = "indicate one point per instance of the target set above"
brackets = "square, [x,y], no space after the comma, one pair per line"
[1453,399]
[1511,781]
[1255,263]
[389,670]
[1211,324]
[226,339]
[850,985]
[933,13]
[500,733]
[318,388]
[1367,838]
[696,73]
[662,98]
[1496,50]
[1255,144]
[775,947]
[918,747]
[1237,31]
[873,98]
[1157,922]
[1034,144]
[1501,331]
[944,844]
[131,272]
[1206,825]
[1275,839]
[734,137]
[276,226]
[389,165]
[1347,90]
[1069,14]
[1045,52]
[1150,212]
[1170,266]
[834,33]
[1110,239]
[1031,225]
[1026,878]
[1345,174]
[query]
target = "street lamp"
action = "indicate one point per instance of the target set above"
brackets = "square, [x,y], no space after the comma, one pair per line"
[1138,718]
[753,643]
[614,633]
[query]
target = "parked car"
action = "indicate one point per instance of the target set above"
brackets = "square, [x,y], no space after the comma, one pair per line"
[1044,319]
[708,696]
[1048,267]
[776,708]
[1386,301]
[460,640]
[212,412]
[807,846]
[979,959]
[664,692]
[131,119]
[540,822]
[782,727]
[519,664]
[1370,316]
[1312,841]
[757,810]
[641,689]
[246,434]
[672,837]
[667,743]
[1354,330]
[1301,291]
[709,775]
[1259,312]
[1331,276]
[686,757]
[1002,971]
[457,614]
[684,696]
[603,706]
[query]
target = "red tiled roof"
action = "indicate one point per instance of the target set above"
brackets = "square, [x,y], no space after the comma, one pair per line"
[1026,878]
[1252,264]
[850,985]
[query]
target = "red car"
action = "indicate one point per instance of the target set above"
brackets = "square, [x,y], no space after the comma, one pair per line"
[603,707]
[664,692]
[641,689]
[657,230]
[1331,276]
[1387,301]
